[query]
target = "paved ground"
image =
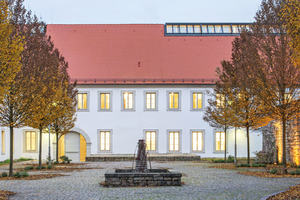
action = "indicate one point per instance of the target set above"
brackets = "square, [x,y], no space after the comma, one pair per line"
[201,182]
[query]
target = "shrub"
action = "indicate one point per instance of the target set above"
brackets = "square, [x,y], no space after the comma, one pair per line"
[55,162]
[38,167]
[43,167]
[28,168]
[297,172]
[293,165]
[24,159]
[273,171]
[4,174]
[24,174]
[298,166]
[49,167]
[243,165]
[259,165]
[17,175]
[65,159]
[230,159]
[292,172]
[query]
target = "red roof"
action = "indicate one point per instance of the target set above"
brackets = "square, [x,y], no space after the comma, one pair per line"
[138,53]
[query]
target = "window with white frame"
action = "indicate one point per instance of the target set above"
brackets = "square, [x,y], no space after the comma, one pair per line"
[2,142]
[105,99]
[197,141]
[128,100]
[82,101]
[104,140]
[30,141]
[150,100]
[150,137]
[174,100]
[174,141]
[220,100]
[219,141]
[197,100]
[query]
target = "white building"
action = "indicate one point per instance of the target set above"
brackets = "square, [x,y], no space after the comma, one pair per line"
[140,81]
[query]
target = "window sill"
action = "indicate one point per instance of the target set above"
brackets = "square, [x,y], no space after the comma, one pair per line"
[103,110]
[83,110]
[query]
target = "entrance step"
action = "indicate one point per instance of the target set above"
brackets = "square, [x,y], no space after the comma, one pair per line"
[153,157]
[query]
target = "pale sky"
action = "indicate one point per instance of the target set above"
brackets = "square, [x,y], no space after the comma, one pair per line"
[142,11]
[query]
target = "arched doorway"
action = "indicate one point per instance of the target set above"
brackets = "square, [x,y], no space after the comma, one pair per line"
[72,145]
[75,145]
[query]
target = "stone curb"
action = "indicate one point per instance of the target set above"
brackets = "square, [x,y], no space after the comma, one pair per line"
[273,194]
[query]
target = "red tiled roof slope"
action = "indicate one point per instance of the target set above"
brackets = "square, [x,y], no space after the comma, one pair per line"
[137,51]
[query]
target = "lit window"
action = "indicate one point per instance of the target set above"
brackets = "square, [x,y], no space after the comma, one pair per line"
[235,29]
[218,28]
[190,29]
[3,142]
[173,100]
[204,28]
[182,28]
[104,141]
[150,101]
[82,101]
[197,29]
[128,100]
[173,141]
[104,101]
[220,100]
[210,29]
[30,141]
[197,140]
[151,140]
[220,141]
[197,100]
[175,29]
[169,28]
[226,29]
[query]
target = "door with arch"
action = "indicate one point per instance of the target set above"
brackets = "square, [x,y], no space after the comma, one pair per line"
[72,145]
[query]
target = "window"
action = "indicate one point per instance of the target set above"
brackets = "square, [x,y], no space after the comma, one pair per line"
[182,28]
[105,101]
[128,100]
[190,29]
[226,29]
[197,137]
[30,141]
[220,141]
[197,29]
[3,142]
[82,98]
[175,29]
[104,141]
[174,141]
[218,28]
[169,28]
[204,28]
[173,100]
[197,99]
[151,140]
[150,100]
[210,28]
[235,29]
[220,100]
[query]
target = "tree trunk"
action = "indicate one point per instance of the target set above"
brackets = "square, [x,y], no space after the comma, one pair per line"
[40,150]
[11,156]
[248,146]
[225,145]
[283,160]
[57,147]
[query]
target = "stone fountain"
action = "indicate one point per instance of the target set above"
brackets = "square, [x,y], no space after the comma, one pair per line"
[141,175]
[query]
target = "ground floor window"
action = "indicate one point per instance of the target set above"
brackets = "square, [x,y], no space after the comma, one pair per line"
[2,142]
[105,141]
[174,141]
[30,141]
[197,140]
[151,140]
[220,141]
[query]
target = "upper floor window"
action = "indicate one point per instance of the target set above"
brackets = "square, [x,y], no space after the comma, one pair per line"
[128,102]
[150,100]
[220,100]
[82,98]
[105,101]
[173,100]
[197,100]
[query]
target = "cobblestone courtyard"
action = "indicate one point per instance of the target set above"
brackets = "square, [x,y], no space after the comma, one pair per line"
[200,181]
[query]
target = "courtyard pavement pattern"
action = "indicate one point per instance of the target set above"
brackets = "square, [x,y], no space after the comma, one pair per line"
[201,182]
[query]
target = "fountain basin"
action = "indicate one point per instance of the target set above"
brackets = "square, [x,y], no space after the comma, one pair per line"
[153,177]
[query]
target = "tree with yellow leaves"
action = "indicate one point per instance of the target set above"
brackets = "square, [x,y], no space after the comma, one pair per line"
[291,20]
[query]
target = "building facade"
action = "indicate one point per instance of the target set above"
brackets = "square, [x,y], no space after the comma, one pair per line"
[140,81]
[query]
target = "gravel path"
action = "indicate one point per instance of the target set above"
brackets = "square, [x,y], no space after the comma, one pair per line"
[201,182]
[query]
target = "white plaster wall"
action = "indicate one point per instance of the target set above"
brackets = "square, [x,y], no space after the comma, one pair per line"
[6,154]
[128,126]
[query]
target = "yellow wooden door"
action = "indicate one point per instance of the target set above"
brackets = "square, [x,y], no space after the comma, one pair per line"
[61,147]
[82,149]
